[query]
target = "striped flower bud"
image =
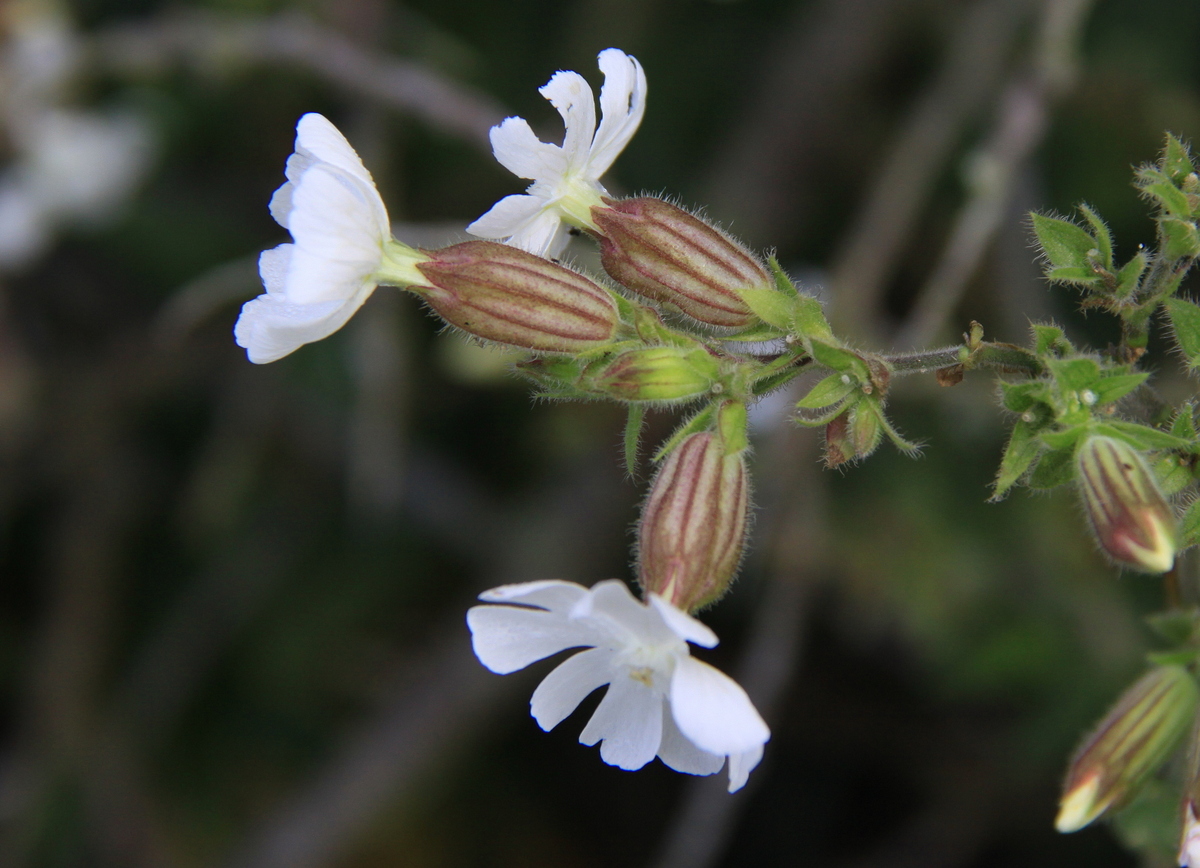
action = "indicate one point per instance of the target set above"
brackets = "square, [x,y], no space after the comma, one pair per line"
[1133,521]
[664,253]
[503,294]
[655,374]
[693,523]
[1129,745]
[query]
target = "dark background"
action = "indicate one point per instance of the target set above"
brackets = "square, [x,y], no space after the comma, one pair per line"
[232,597]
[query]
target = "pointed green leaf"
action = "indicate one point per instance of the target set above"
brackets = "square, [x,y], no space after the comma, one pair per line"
[810,318]
[1066,244]
[1022,450]
[1074,274]
[769,306]
[633,434]
[1141,436]
[1050,340]
[1185,321]
[700,421]
[1174,474]
[839,358]
[1117,386]
[782,282]
[1184,423]
[1065,439]
[1176,162]
[1055,468]
[906,446]
[824,415]
[1189,525]
[1169,197]
[1019,397]
[1074,374]
[828,391]
[1181,240]
[1102,235]
[1130,276]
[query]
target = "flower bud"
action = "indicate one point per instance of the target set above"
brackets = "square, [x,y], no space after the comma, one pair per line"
[666,254]
[693,523]
[854,434]
[1130,743]
[656,374]
[1133,521]
[503,294]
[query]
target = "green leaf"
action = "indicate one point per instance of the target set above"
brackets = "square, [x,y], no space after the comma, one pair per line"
[810,319]
[1064,439]
[782,282]
[1189,525]
[1184,423]
[700,421]
[1054,469]
[1173,476]
[1185,321]
[828,391]
[904,445]
[769,306]
[1161,188]
[840,359]
[756,333]
[1102,235]
[633,433]
[1050,340]
[1019,397]
[1066,244]
[1180,238]
[1074,274]
[1141,436]
[1022,450]
[1074,374]
[1176,162]
[1130,276]
[1116,386]
[1175,625]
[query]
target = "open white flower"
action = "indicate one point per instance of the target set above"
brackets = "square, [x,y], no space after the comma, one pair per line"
[661,701]
[342,247]
[566,179]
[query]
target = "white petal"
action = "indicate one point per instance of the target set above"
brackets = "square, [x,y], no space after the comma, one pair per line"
[338,236]
[552,594]
[280,205]
[508,638]
[315,134]
[507,217]
[612,607]
[519,150]
[270,327]
[622,104]
[682,624]
[713,711]
[683,756]
[740,766]
[569,684]
[570,94]
[544,235]
[629,721]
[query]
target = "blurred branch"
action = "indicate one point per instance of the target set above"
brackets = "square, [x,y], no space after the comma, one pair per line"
[210,41]
[824,53]
[1017,130]
[979,50]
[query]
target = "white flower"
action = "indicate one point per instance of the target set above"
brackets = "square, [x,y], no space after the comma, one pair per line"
[342,247]
[566,179]
[1189,850]
[660,700]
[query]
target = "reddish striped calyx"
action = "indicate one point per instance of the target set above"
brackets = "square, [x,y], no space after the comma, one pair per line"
[503,294]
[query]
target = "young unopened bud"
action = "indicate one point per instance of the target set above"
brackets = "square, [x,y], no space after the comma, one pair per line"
[656,374]
[666,254]
[503,294]
[854,434]
[1130,743]
[1133,521]
[694,523]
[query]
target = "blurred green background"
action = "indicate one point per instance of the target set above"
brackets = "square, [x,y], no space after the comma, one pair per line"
[232,597]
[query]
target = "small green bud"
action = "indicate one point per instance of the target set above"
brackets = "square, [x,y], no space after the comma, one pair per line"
[1134,524]
[693,524]
[854,434]
[662,252]
[655,374]
[503,294]
[1128,745]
